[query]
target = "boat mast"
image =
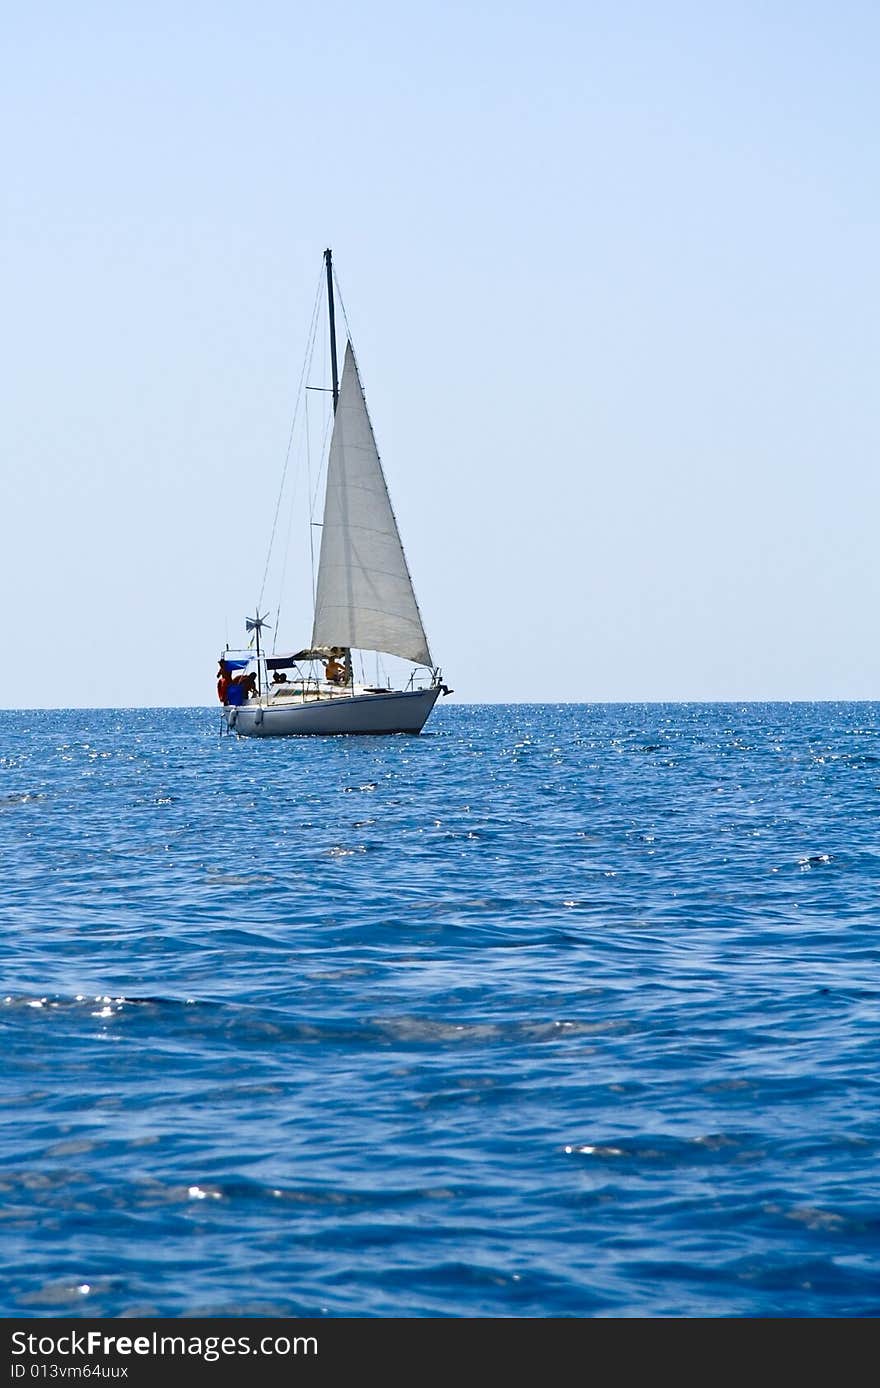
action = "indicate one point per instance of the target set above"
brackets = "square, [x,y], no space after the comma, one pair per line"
[328,257]
[256,624]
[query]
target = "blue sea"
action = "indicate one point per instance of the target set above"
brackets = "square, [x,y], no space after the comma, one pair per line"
[553,1011]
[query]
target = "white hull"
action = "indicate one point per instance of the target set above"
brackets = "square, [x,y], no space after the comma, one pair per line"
[397,711]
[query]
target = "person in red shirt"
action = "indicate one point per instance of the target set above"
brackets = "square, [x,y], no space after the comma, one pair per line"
[224,679]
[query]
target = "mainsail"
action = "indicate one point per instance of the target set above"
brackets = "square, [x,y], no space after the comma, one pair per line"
[365,596]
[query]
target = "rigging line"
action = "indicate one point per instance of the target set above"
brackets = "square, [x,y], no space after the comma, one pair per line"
[348,333]
[282,582]
[306,416]
[303,464]
[342,306]
[300,394]
[313,494]
[311,509]
[323,463]
[323,459]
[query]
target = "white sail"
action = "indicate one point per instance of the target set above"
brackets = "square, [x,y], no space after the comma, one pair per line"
[365,596]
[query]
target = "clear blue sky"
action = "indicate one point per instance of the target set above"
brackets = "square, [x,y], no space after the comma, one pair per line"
[612,274]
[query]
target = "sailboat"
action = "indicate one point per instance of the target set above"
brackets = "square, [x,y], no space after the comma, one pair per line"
[364,602]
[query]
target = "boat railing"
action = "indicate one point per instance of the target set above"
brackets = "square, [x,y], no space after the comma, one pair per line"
[308,688]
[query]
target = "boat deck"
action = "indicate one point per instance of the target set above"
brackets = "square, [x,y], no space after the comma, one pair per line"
[313,691]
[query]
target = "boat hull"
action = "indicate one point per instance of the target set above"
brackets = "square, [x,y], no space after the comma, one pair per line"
[403,711]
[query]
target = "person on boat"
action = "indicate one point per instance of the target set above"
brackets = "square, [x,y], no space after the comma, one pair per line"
[334,672]
[241,687]
[279,677]
[224,679]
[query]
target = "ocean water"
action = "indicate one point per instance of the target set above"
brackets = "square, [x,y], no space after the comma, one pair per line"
[554,1011]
